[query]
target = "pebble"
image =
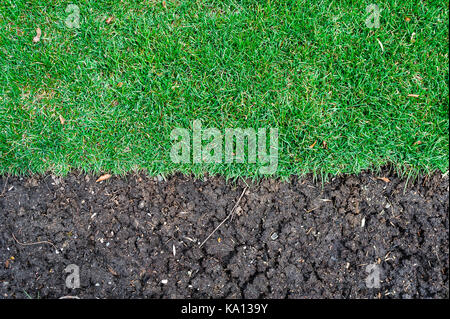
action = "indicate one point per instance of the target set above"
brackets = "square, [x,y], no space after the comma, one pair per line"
[274,236]
[164,281]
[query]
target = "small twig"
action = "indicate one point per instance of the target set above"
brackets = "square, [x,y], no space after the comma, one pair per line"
[35,243]
[226,218]
[69,297]
[311,210]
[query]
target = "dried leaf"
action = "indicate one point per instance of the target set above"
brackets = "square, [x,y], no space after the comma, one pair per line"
[417,143]
[384,179]
[109,20]
[313,144]
[112,271]
[62,120]
[120,84]
[37,38]
[413,95]
[164,4]
[103,178]
[324,144]
[407,19]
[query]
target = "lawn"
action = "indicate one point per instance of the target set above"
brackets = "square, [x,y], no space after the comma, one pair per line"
[104,94]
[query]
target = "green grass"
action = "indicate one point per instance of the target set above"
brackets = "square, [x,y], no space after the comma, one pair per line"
[310,68]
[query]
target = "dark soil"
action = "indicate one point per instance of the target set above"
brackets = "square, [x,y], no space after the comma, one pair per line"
[139,237]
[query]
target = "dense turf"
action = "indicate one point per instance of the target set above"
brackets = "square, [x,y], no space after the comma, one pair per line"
[338,91]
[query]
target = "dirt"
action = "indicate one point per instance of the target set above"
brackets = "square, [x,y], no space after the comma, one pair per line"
[139,236]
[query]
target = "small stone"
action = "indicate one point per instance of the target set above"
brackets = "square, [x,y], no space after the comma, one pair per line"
[141,204]
[164,281]
[274,236]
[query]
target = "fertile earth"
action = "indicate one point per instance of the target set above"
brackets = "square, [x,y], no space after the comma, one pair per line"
[145,237]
